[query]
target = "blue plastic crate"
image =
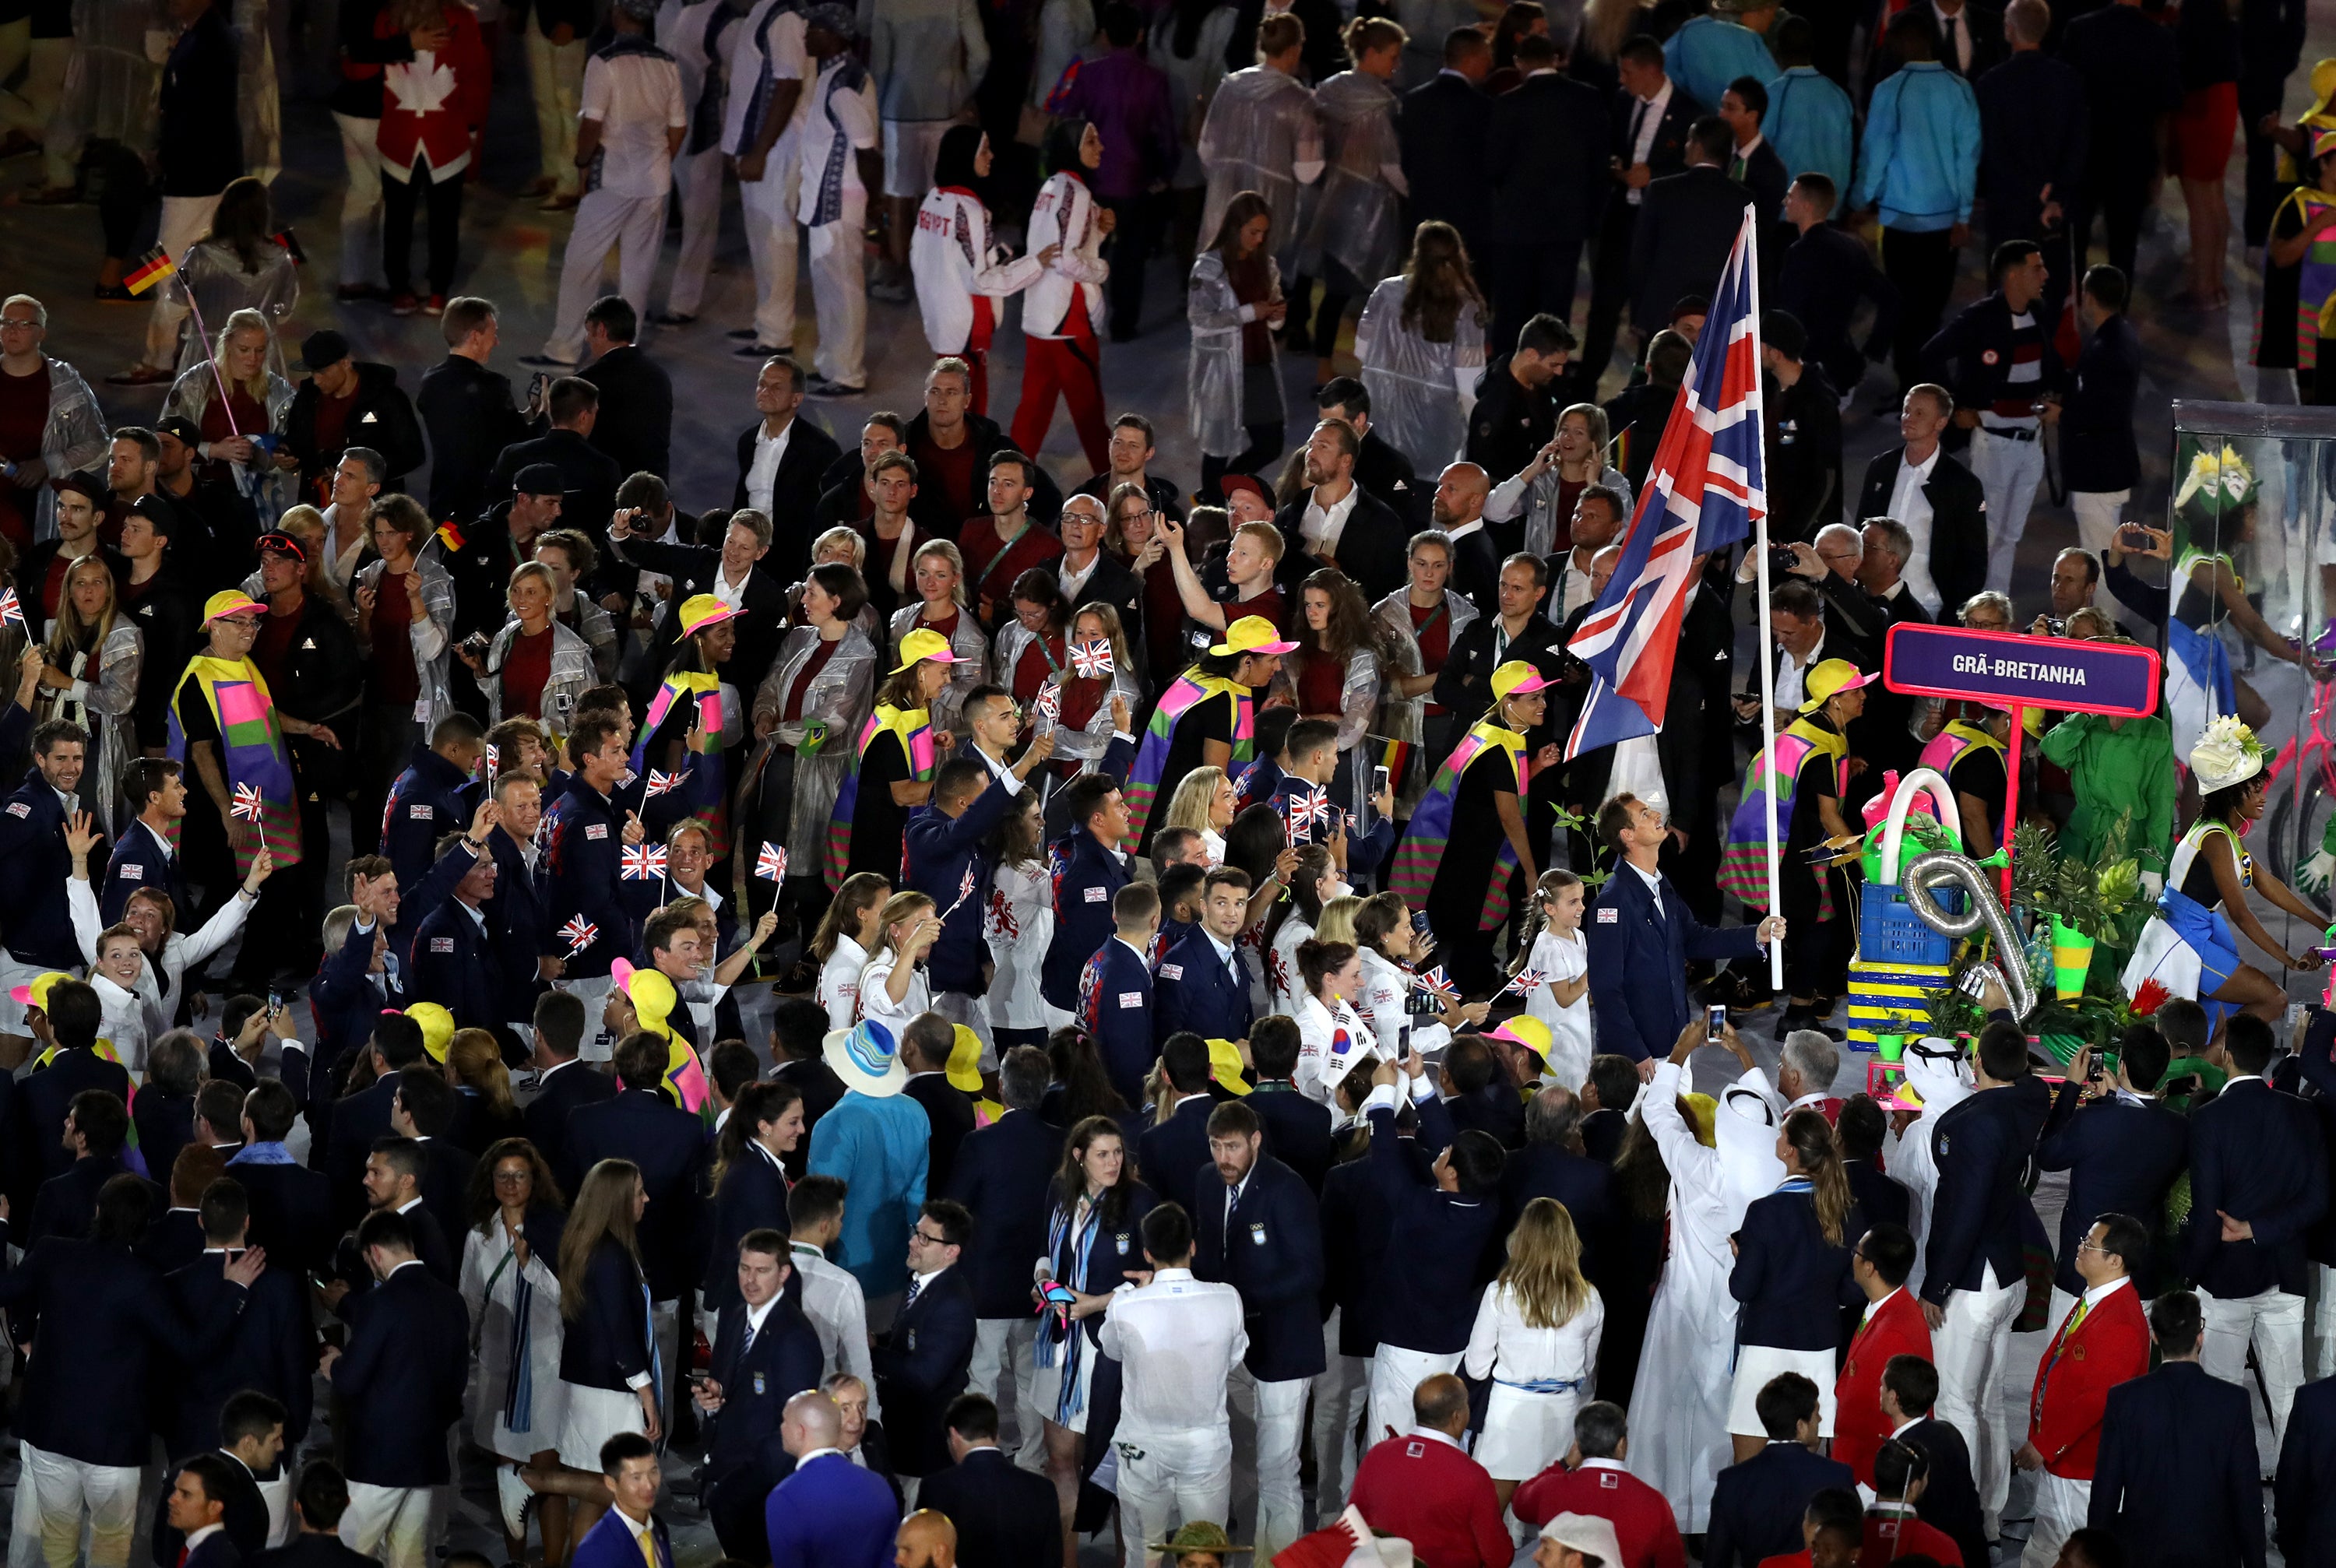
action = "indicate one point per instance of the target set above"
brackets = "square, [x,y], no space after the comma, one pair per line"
[1889,932]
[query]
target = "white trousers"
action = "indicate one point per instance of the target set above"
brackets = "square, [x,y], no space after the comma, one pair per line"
[55,1495]
[631,226]
[277,1495]
[1268,1418]
[1969,1349]
[697,184]
[360,199]
[556,73]
[770,242]
[2098,513]
[1396,1372]
[2009,472]
[185,219]
[1004,1352]
[390,1523]
[2319,1338]
[598,1044]
[2060,1507]
[1339,1395]
[2272,1322]
[1171,1479]
[839,292]
[35,100]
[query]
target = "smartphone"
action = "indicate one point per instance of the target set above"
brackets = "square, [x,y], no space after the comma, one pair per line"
[1419,921]
[1378,781]
[1715,1019]
[275,1001]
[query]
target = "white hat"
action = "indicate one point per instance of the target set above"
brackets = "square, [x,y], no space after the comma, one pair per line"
[1744,1132]
[2227,754]
[1586,1534]
[866,1057]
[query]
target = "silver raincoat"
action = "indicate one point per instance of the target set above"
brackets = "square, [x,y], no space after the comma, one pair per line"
[269,489]
[572,674]
[72,438]
[1404,719]
[972,668]
[1358,705]
[1261,135]
[1192,86]
[1421,392]
[113,80]
[212,274]
[1213,386]
[103,692]
[839,697]
[432,635]
[1087,746]
[1355,224]
[1538,503]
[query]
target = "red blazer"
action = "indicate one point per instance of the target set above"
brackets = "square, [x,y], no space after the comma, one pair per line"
[2064,1411]
[444,130]
[1438,1498]
[1859,1427]
[1643,1523]
[1890,1536]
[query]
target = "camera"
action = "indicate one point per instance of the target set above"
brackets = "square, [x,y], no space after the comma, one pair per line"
[1781,561]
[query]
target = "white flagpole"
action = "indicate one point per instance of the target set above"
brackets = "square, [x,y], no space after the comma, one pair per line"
[1767,650]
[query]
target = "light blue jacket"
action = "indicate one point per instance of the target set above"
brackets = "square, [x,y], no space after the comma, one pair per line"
[1707,54]
[1810,124]
[878,1147]
[1920,159]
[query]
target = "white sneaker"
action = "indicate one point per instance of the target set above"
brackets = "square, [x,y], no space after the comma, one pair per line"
[517,1499]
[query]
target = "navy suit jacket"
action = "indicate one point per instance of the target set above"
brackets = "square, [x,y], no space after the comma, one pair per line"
[271,1347]
[1951,1501]
[1297,1130]
[456,965]
[1273,1257]
[346,1000]
[669,1144]
[1756,1506]
[1197,990]
[1117,1006]
[1981,1145]
[166,1124]
[1006,1516]
[1883,1199]
[921,1364]
[608,1341]
[2175,1481]
[517,920]
[1792,1286]
[67,1201]
[1001,1175]
[1431,1300]
[1496,1108]
[1580,1182]
[612,1544]
[2305,1494]
[1638,963]
[563,1088]
[291,1213]
[1354,1245]
[399,1381]
[784,1360]
[950,1115]
[218,1550]
[753,1194]
[424,804]
[33,867]
[2121,1159]
[1173,1153]
[1089,876]
[140,861]
[357,1121]
[311,1549]
[939,850]
[37,1117]
[830,1514]
[2255,1154]
[245,1521]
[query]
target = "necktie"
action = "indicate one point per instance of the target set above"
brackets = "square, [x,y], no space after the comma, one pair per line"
[915,1287]
[1955,42]
[2052,1358]
[1638,124]
[648,1548]
[746,1346]
[1736,168]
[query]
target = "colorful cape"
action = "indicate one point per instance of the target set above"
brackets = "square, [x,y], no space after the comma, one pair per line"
[704,693]
[1743,869]
[251,752]
[1422,850]
[915,730]
[2316,281]
[1188,692]
[1949,744]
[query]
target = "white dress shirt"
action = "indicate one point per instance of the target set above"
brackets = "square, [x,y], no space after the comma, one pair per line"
[1177,1340]
[1911,507]
[770,451]
[1649,115]
[837,1310]
[1320,526]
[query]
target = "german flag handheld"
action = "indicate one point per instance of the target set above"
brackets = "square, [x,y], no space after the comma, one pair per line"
[151,268]
[291,243]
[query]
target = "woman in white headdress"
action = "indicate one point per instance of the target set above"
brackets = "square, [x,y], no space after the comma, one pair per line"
[2189,947]
[1678,1406]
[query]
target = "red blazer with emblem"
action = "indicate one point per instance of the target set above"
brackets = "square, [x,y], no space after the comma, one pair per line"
[1438,1498]
[2072,1390]
[1896,1327]
[1890,1536]
[1644,1526]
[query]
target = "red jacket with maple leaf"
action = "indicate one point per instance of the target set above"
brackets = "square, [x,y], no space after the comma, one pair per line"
[433,104]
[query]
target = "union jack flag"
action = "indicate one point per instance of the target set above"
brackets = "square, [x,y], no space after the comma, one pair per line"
[642,862]
[964,890]
[1092,660]
[1706,490]
[771,865]
[659,783]
[247,802]
[579,934]
[1050,704]
[1304,811]
[10,610]
[1438,984]
[1526,982]
[494,760]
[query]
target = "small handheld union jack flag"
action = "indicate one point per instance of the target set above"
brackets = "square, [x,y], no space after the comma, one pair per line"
[964,890]
[660,784]
[771,865]
[642,862]
[247,802]
[1092,660]
[579,934]
[1304,811]
[1438,984]
[1049,704]
[494,760]
[1524,983]
[10,610]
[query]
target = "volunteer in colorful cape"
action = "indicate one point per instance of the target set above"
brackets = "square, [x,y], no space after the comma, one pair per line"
[2299,273]
[2217,503]
[806,713]
[228,731]
[1466,842]
[937,575]
[892,774]
[645,1001]
[1206,718]
[1808,769]
[2188,947]
[1968,753]
[535,668]
[694,699]
[963,276]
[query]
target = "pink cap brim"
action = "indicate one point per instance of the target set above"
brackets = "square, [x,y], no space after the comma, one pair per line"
[726,613]
[943,659]
[1531,682]
[1270,647]
[1503,1034]
[23,994]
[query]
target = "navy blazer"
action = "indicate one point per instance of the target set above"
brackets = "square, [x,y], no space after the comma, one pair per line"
[457,966]
[2121,1159]
[2255,1154]
[1006,1516]
[425,804]
[429,1247]
[2177,1481]
[1296,1129]
[1087,876]
[921,1364]
[587,841]
[345,1000]
[832,1514]
[560,1091]
[1638,963]
[313,1549]
[34,866]
[612,1544]
[1196,990]
[1580,1182]
[1115,1004]
[939,850]
[949,1113]
[173,1242]
[1884,1200]
[1951,1501]
[165,1123]
[142,860]
[1001,1175]
[2305,1491]
[607,1343]
[244,1523]
[218,1550]
[1496,1108]
[1430,1302]
[400,1382]
[67,1201]
[1173,1153]
[1756,1506]
[1273,1257]
[1981,1145]
[37,1117]
[1792,1283]
[669,1144]
[784,1360]
[753,1195]
[291,1213]
[1354,1249]
[519,920]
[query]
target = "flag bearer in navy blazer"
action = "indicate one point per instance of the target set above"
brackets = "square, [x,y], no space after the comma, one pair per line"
[1256,1229]
[1089,868]
[922,1359]
[1203,984]
[2258,1183]
[1115,991]
[2176,1478]
[400,1387]
[1440,1223]
[765,1354]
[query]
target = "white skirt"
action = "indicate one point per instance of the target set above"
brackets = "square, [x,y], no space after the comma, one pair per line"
[594,1416]
[1046,1386]
[1754,1365]
[1524,1432]
[547,1402]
